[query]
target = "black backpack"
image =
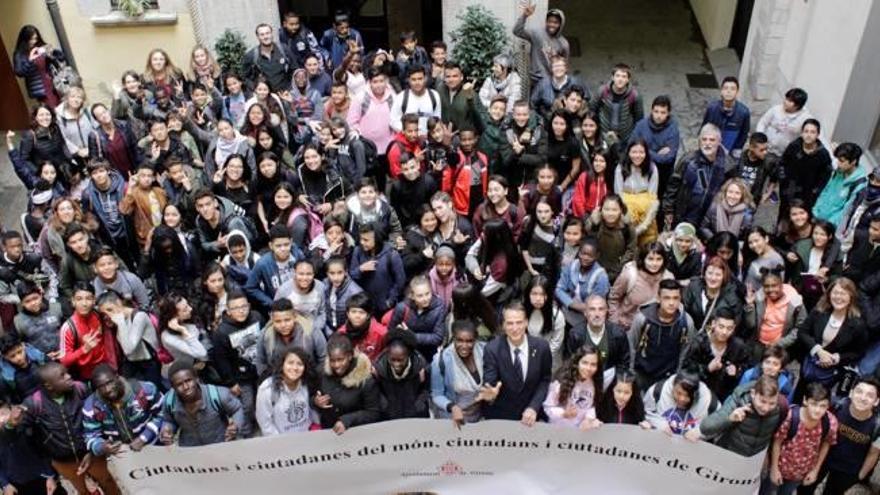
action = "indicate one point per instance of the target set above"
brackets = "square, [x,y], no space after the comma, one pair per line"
[371,154]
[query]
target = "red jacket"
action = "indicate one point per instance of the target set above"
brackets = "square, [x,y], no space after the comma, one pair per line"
[372,343]
[457,181]
[73,356]
[588,194]
[398,145]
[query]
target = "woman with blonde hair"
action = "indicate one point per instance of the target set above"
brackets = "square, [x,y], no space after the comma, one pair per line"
[731,211]
[203,67]
[160,72]
[65,211]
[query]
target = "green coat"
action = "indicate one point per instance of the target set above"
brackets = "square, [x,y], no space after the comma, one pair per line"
[493,139]
[747,438]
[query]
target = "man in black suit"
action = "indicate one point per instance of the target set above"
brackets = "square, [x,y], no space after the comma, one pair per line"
[596,330]
[516,370]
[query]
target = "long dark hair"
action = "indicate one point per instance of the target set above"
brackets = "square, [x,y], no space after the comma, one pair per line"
[626,164]
[207,301]
[309,377]
[568,135]
[498,239]
[24,38]
[635,408]
[283,216]
[167,308]
[53,126]
[724,240]
[547,311]
[569,375]
[468,303]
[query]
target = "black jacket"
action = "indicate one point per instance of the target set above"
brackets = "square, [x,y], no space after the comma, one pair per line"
[692,300]
[850,340]
[406,397]
[699,355]
[863,268]
[516,394]
[408,196]
[414,260]
[618,345]
[803,175]
[57,427]
[355,396]
[233,367]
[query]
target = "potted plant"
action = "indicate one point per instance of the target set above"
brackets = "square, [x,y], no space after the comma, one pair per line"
[230,49]
[477,40]
[132,8]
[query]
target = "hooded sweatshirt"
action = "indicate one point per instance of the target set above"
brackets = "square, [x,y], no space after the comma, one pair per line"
[541,40]
[657,347]
[661,409]
[240,272]
[658,136]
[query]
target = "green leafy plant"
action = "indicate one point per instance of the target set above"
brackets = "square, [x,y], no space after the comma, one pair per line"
[230,49]
[132,8]
[479,38]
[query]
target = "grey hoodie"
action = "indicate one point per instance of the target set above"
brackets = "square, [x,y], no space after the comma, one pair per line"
[541,41]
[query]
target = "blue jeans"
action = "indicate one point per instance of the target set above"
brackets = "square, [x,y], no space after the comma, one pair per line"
[871,361]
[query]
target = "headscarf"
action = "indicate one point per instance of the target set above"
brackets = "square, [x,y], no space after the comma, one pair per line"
[682,230]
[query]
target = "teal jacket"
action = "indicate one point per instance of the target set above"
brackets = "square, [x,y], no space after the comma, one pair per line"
[838,193]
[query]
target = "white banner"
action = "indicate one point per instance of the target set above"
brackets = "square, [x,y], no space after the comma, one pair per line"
[423,455]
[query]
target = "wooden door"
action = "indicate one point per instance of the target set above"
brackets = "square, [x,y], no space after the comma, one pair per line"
[13,112]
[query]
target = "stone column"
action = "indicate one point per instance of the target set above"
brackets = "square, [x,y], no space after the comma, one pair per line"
[760,68]
[212,17]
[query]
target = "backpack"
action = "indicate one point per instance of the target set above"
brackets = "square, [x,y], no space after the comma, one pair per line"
[795,411]
[405,102]
[386,318]
[214,401]
[37,397]
[371,154]
[365,105]
[63,77]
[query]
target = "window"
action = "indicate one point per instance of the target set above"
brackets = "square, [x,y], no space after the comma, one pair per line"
[151,4]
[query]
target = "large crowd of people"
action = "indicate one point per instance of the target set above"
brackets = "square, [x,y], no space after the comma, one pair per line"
[340,235]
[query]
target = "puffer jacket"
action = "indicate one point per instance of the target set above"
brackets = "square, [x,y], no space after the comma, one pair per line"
[28,70]
[45,146]
[427,325]
[748,437]
[336,315]
[354,396]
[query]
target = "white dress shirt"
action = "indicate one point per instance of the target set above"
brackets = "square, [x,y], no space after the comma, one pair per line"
[523,355]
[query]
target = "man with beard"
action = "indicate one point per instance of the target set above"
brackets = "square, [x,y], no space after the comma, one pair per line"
[120,412]
[269,59]
[696,180]
[299,39]
[199,414]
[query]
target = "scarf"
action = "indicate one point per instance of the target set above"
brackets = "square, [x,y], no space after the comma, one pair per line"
[463,384]
[729,218]
[501,86]
[226,147]
[203,71]
[683,229]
